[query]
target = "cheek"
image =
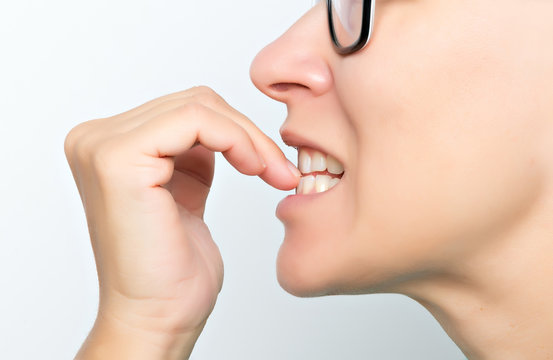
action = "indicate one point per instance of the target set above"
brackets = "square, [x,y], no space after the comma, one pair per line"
[428,204]
[446,160]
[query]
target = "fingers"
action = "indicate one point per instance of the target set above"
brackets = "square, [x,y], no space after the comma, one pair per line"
[159,103]
[176,131]
[279,173]
[202,101]
[200,104]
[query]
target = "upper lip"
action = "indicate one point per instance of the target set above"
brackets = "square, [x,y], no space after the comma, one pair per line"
[297,140]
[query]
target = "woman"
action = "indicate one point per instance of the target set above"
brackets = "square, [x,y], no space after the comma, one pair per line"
[425,171]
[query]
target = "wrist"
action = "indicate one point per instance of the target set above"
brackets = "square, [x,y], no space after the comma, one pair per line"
[112,338]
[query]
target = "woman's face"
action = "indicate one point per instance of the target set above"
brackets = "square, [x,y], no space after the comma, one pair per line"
[440,123]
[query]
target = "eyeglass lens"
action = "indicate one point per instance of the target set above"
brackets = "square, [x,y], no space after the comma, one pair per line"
[347,17]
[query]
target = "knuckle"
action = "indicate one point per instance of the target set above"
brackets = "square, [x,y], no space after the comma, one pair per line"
[77,140]
[71,139]
[204,90]
[207,97]
[92,154]
[207,100]
[69,143]
[88,149]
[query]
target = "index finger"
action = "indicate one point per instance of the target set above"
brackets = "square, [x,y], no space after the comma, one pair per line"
[280,172]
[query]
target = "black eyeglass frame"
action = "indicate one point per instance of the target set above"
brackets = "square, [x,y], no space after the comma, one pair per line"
[366,28]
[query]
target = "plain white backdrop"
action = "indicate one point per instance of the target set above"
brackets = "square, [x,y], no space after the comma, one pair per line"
[64,62]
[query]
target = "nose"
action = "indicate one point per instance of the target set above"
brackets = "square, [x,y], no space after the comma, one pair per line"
[297,63]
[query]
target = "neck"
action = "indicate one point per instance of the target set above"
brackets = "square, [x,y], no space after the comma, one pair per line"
[498,304]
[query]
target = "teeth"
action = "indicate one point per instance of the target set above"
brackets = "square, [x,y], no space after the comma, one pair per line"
[333,182]
[318,161]
[322,183]
[334,166]
[306,185]
[304,161]
[310,161]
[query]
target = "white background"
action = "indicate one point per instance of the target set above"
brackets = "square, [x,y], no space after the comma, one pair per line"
[63,62]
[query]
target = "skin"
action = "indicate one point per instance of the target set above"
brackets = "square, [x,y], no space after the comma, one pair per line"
[443,124]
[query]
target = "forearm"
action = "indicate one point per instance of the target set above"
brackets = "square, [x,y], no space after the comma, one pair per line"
[111,339]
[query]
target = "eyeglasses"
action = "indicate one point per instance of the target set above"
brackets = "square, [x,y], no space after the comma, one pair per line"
[350,23]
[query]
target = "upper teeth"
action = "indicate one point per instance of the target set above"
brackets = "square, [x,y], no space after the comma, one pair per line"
[317,161]
[314,161]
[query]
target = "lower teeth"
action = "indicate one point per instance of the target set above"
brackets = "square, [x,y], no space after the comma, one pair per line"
[316,184]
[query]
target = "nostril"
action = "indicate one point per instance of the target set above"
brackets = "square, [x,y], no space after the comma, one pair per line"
[282,87]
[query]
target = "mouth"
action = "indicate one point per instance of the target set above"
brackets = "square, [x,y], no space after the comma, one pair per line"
[320,172]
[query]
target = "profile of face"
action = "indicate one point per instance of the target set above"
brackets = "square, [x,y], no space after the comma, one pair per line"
[440,123]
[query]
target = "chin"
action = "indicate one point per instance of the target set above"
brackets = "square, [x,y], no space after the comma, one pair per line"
[299,281]
[321,266]
[310,270]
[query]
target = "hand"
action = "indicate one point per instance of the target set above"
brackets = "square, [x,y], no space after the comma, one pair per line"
[143,177]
